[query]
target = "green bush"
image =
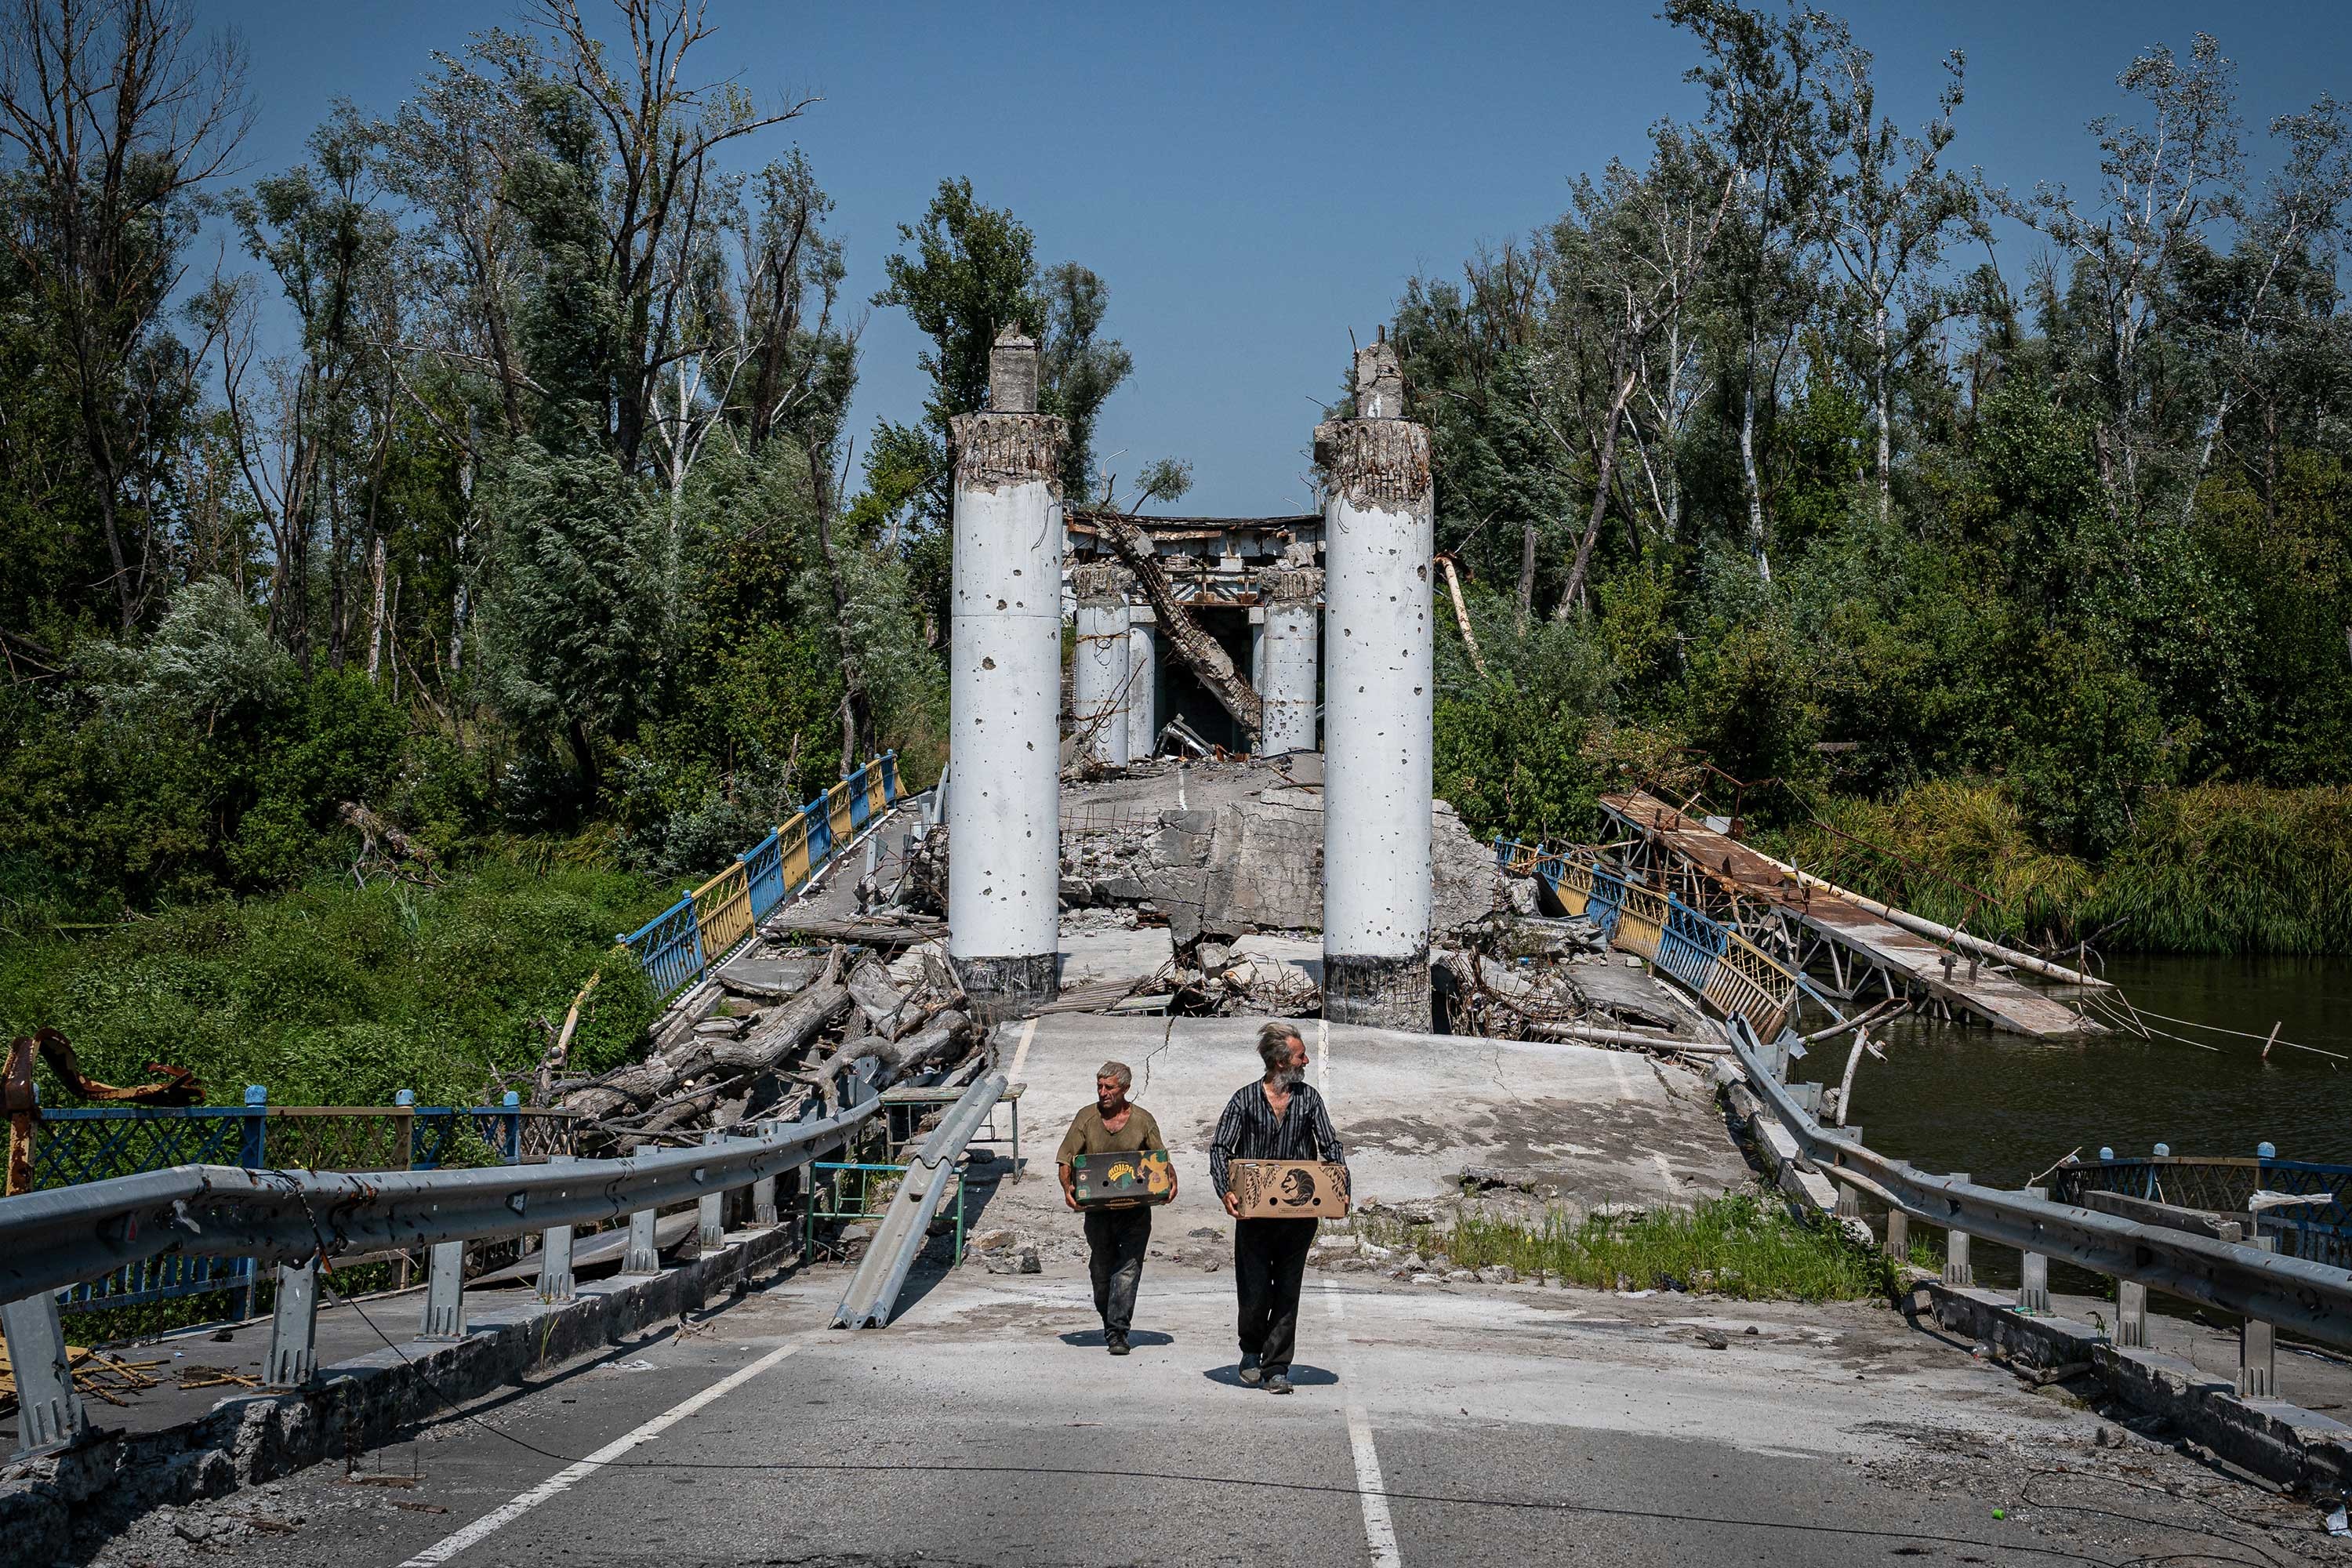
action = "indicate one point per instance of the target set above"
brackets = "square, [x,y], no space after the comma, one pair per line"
[335,995]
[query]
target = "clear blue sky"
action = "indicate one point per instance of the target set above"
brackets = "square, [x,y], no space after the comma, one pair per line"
[1254,180]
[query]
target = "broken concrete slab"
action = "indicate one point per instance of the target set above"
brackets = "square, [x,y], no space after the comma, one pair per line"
[1088,957]
[1223,849]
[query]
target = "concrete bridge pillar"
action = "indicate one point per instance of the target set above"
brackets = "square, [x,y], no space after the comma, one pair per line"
[1099,663]
[1142,681]
[1379,698]
[1289,658]
[1005,691]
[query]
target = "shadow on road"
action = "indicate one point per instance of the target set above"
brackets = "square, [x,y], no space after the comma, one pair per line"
[1302,1374]
[1140,1338]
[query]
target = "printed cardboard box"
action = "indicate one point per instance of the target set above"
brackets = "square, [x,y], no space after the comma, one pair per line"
[1288,1189]
[1122,1181]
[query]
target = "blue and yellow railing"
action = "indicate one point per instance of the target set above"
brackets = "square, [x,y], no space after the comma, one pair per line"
[1735,977]
[678,946]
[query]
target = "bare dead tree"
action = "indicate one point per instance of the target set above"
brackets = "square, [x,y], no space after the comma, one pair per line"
[661,135]
[112,112]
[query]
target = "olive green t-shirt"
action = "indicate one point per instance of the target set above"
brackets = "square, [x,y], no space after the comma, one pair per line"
[1087,1135]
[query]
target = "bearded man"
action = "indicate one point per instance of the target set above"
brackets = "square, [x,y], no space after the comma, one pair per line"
[1279,1117]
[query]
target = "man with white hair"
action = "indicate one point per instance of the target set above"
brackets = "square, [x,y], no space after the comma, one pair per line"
[1280,1117]
[1116,1238]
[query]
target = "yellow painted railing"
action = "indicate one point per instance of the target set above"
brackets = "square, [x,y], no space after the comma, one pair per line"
[1737,979]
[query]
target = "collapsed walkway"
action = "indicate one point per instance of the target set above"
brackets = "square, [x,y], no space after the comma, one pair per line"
[1902,958]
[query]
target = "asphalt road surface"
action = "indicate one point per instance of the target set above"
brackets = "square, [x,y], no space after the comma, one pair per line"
[1431,1426]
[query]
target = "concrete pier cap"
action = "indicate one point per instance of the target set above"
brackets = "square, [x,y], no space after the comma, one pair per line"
[1005,691]
[1380,697]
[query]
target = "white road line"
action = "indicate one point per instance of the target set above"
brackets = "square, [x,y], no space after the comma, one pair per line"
[1020,1052]
[1380,1531]
[571,1475]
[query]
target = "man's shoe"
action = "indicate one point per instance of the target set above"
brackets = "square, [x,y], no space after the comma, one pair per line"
[1250,1372]
[1278,1383]
[1115,1344]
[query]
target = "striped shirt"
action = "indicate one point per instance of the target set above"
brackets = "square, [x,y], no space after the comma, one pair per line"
[1249,1130]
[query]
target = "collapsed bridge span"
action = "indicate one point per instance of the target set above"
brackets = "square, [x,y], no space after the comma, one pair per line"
[1862,944]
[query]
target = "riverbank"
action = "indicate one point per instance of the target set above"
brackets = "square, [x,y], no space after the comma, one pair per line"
[2219,868]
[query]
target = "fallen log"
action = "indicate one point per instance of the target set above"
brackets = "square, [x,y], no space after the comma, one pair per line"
[637,1085]
[893,931]
[943,1036]
[788,1029]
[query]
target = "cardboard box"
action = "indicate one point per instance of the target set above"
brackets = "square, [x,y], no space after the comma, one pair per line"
[1288,1189]
[1122,1181]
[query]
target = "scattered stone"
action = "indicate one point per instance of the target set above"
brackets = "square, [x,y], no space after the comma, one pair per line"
[1427,1279]
[990,1241]
[1016,1260]
[1711,1340]
[1498,1274]
[1460,1277]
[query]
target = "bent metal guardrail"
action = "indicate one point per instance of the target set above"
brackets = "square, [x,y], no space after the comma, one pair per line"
[678,946]
[2288,1292]
[49,1240]
[873,1294]
[76,1145]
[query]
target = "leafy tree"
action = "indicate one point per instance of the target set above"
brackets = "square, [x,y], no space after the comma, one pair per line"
[573,618]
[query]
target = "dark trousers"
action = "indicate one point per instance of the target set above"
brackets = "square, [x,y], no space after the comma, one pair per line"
[1269,1261]
[1115,1242]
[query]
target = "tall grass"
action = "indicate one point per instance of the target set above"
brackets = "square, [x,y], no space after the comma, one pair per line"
[2219,868]
[333,994]
[1733,1246]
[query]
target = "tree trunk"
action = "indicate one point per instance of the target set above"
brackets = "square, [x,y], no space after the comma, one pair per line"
[1527,572]
[583,752]
[856,712]
[100,453]
[1461,615]
[1604,469]
[1886,424]
[375,615]
[1749,480]
[1202,653]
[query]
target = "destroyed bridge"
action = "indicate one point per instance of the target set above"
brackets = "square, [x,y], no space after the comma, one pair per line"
[613,1316]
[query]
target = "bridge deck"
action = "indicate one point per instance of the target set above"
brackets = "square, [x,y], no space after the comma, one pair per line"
[2000,999]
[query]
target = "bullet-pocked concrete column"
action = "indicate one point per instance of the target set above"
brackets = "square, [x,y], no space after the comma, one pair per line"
[1142,681]
[1005,692]
[1289,656]
[1378,701]
[1098,665]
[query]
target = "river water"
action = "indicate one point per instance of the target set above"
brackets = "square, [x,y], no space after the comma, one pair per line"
[2005,1109]
[2002,1107]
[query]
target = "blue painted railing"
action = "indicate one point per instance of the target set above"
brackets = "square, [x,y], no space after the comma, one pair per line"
[677,948]
[75,1144]
[1725,969]
[2318,1229]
